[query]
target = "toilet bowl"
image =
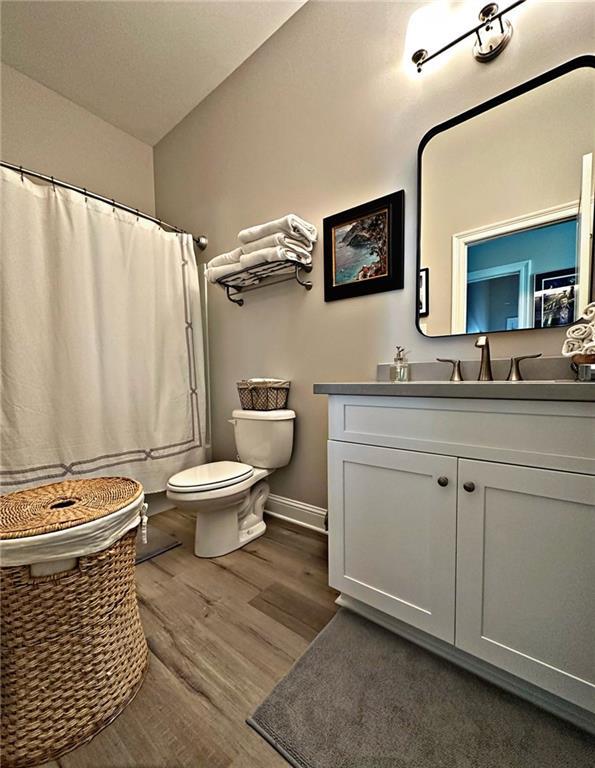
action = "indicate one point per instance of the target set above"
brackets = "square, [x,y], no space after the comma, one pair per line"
[229,497]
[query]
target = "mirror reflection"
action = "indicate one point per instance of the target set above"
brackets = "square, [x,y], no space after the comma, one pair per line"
[506,213]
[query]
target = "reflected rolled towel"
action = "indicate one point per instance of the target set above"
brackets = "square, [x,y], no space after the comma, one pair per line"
[273,254]
[280,238]
[225,258]
[589,348]
[571,347]
[215,273]
[291,225]
[580,331]
[589,313]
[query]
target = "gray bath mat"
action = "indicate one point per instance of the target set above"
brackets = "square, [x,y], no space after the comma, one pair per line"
[158,543]
[362,697]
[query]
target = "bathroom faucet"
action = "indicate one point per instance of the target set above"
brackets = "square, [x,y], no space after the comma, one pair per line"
[485,370]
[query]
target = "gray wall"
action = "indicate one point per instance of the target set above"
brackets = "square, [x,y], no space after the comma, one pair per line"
[325,115]
[45,132]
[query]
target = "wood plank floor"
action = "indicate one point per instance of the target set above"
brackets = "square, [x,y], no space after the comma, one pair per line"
[221,633]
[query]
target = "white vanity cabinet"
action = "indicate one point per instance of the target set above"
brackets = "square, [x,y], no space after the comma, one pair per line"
[525,597]
[394,528]
[474,522]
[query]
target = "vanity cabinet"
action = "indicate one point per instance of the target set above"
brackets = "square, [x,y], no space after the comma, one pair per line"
[525,598]
[460,519]
[393,534]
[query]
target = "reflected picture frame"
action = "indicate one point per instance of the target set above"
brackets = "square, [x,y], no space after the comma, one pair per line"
[424,292]
[555,298]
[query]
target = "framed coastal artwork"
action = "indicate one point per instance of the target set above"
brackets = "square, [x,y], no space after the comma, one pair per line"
[363,248]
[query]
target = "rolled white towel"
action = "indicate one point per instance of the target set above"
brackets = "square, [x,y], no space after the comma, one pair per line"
[572,347]
[225,258]
[214,273]
[582,331]
[273,254]
[279,238]
[291,225]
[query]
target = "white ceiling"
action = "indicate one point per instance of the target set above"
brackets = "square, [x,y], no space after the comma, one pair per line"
[142,66]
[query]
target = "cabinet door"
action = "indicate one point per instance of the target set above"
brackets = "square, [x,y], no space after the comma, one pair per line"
[392,532]
[526,574]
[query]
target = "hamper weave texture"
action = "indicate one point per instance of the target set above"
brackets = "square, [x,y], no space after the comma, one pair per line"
[73,650]
[263,395]
[63,505]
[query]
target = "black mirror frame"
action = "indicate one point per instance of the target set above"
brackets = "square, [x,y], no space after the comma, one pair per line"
[588,60]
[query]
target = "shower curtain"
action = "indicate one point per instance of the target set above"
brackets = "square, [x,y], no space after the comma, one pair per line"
[101,342]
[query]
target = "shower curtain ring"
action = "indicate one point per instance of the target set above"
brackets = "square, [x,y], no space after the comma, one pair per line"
[137,214]
[21,170]
[113,205]
[85,191]
[53,184]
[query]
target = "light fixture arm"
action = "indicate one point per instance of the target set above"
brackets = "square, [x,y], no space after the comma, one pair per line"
[483,50]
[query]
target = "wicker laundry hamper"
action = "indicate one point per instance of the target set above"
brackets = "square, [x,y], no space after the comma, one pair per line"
[73,650]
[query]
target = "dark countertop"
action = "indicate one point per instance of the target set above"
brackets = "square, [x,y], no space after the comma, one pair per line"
[572,391]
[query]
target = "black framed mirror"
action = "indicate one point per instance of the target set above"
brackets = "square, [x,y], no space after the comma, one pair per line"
[505,209]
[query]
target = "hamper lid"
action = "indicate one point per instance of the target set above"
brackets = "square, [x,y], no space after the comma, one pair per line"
[58,506]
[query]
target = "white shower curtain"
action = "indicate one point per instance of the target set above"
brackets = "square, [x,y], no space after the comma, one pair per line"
[101,342]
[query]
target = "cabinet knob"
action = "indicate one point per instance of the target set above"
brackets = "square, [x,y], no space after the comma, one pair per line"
[469,487]
[443,481]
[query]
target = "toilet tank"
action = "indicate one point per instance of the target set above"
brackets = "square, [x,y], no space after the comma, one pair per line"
[264,438]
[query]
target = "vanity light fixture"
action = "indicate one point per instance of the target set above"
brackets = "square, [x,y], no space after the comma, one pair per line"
[492,35]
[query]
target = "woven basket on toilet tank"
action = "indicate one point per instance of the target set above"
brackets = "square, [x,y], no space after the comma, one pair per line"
[263,394]
[73,650]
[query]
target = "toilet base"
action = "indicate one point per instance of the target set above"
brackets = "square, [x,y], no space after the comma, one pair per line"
[218,532]
[226,522]
[207,549]
[252,533]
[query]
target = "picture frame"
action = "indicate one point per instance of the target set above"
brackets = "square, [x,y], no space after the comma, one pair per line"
[555,298]
[364,248]
[424,292]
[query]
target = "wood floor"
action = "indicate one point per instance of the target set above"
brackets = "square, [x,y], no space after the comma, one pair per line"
[221,632]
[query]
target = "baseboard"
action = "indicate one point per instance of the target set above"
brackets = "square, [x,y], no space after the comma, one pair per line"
[297,512]
[548,701]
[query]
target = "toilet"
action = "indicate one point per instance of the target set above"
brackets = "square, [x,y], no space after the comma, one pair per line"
[229,497]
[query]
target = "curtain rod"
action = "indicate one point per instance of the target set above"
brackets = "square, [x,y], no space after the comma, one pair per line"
[201,241]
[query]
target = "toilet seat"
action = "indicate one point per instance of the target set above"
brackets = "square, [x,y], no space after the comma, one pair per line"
[210,477]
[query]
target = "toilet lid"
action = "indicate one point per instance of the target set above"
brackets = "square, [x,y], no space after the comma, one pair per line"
[209,477]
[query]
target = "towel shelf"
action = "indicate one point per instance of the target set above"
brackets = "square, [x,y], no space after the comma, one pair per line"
[259,275]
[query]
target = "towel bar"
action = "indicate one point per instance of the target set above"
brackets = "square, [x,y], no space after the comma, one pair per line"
[259,275]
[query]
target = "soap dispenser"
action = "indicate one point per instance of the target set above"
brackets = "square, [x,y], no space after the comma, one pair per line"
[400,370]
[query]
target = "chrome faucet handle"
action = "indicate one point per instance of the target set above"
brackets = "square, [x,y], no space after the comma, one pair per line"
[456,374]
[514,374]
[485,369]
